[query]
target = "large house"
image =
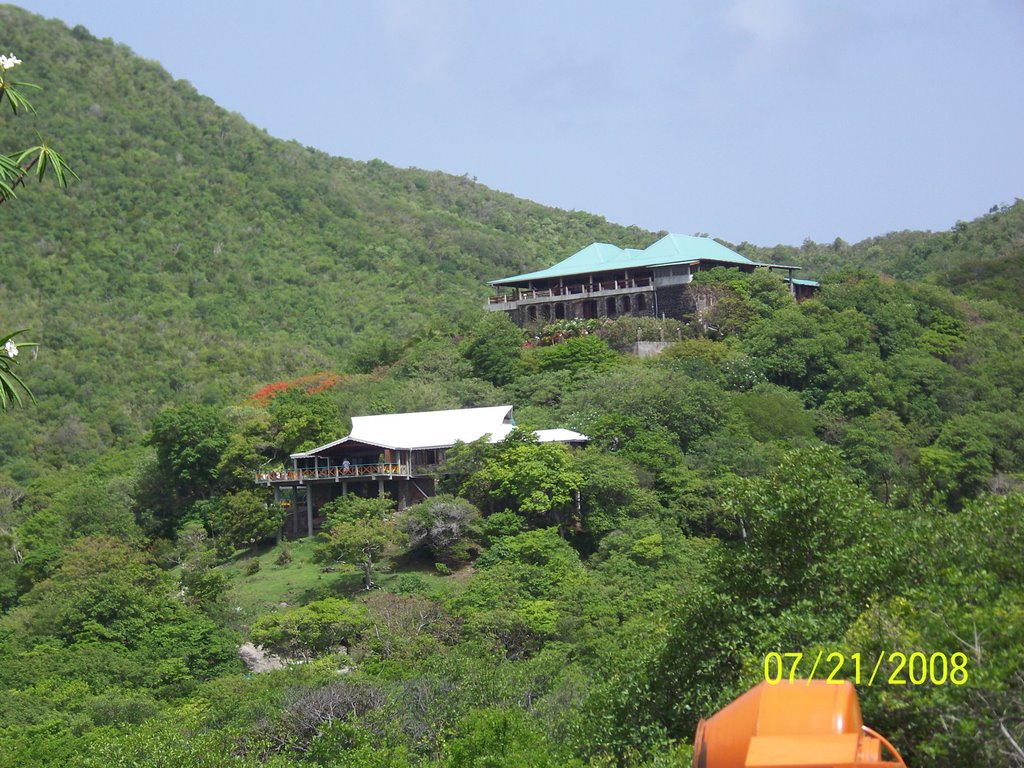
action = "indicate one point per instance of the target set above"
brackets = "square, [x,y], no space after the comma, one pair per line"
[399,454]
[604,280]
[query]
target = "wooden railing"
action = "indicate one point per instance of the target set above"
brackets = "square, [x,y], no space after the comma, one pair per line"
[331,473]
[578,289]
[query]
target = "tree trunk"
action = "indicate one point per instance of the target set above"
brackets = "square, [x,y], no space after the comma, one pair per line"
[368,568]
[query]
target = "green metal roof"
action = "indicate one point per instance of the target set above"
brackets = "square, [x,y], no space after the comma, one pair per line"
[672,249]
[812,283]
[602,257]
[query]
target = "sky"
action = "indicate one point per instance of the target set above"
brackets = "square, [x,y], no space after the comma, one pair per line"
[767,121]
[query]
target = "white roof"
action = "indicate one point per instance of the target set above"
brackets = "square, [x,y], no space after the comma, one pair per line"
[559,436]
[438,429]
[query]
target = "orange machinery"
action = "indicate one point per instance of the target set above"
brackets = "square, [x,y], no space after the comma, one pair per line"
[790,724]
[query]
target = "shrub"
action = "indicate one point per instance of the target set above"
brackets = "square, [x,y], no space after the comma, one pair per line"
[317,627]
[441,525]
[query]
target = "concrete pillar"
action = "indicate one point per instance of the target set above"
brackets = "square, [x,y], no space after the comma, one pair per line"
[309,510]
[380,486]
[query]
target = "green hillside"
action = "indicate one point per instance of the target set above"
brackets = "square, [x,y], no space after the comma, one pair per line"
[199,256]
[840,478]
[982,258]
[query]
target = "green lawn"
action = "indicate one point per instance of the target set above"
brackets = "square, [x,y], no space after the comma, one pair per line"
[249,596]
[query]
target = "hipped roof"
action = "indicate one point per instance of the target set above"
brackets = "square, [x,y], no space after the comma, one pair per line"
[671,249]
[437,429]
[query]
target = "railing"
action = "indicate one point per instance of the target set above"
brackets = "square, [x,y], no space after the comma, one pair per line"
[331,473]
[579,289]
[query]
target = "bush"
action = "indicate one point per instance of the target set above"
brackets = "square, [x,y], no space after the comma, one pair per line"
[442,525]
[500,524]
[317,627]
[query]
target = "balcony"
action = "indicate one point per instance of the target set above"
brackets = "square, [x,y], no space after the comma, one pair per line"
[336,474]
[576,291]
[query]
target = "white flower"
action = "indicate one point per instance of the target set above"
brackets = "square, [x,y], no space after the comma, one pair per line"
[6,62]
[11,348]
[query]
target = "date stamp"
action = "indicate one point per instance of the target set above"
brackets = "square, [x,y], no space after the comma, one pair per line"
[916,668]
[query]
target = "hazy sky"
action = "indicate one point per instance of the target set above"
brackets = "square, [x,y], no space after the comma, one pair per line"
[760,120]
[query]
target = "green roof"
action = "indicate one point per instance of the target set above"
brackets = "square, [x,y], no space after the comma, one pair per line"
[602,257]
[673,249]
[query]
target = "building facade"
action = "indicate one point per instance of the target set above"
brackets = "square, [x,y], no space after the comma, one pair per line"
[399,454]
[604,280]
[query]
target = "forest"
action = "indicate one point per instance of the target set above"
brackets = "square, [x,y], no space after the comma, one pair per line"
[844,474]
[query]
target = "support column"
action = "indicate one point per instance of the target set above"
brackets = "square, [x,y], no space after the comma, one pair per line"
[380,486]
[295,510]
[309,510]
[344,487]
[277,502]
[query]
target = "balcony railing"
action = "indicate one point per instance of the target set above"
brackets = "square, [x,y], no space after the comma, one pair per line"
[351,472]
[578,289]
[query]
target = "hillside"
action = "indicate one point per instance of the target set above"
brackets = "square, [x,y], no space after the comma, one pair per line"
[981,258]
[199,256]
[839,477]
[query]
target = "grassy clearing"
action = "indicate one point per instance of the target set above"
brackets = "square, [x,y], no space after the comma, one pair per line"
[251,595]
[294,583]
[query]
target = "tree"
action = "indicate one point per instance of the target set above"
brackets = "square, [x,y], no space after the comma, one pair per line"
[190,442]
[535,479]
[649,396]
[493,349]
[524,587]
[879,446]
[442,525]
[462,460]
[358,531]
[373,350]
[610,492]
[810,534]
[352,507]
[244,518]
[304,421]
[577,354]
[503,738]
[316,627]
[249,448]
[110,616]
[14,168]
[816,547]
